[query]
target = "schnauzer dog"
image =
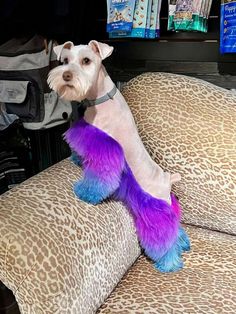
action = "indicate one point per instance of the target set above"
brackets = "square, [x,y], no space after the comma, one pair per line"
[114,160]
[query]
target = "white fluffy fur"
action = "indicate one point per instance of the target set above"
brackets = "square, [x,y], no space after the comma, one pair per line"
[84,76]
[76,89]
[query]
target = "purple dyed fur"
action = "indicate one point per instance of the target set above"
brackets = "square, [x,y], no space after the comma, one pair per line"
[107,173]
[101,157]
[156,222]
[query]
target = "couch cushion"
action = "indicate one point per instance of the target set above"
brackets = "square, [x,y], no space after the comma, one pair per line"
[189,126]
[207,284]
[57,253]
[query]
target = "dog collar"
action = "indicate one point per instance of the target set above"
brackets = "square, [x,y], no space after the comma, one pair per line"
[89,103]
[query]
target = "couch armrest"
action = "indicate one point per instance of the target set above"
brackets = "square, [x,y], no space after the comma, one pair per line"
[188,126]
[57,253]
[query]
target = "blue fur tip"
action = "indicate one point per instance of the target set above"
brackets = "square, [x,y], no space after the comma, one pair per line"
[90,192]
[165,267]
[172,260]
[76,159]
[86,196]
[183,240]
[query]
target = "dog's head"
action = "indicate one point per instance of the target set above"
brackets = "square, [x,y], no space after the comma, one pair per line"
[79,72]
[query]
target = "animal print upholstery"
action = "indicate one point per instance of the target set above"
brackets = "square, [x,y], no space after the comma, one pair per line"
[61,256]
[57,253]
[207,284]
[189,126]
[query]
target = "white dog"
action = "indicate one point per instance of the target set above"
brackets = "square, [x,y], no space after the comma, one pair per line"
[115,161]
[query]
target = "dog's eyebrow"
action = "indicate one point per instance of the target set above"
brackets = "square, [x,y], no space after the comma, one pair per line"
[85,53]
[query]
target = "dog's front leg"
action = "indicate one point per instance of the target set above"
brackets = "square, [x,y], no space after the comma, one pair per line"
[92,190]
[103,161]
[101,177]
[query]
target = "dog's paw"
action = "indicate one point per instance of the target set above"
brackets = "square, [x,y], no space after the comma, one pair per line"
[87,194]
[165,267]
[172,260]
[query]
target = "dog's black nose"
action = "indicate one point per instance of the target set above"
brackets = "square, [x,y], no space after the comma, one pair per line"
[67,76]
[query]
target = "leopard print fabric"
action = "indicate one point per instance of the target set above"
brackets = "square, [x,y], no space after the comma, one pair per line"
[207,284]
[58,254]
[61,256]
[189,126]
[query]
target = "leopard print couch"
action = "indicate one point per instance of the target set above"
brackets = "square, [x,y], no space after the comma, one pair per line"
[61,255]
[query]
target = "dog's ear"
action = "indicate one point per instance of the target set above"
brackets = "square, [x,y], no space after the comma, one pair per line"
[102,49]
[58,49]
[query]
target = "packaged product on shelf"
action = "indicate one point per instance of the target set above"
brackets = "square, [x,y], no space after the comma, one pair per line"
[120,15]
[201,11]
[139,22]
[140,19]
[228,27]
[157,33]
[189,15]
[196,10]
[183,16]
[171,14]
[154,25]
[148,21]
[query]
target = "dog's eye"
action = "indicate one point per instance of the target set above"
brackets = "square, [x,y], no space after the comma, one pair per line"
[65,61]
[86,61]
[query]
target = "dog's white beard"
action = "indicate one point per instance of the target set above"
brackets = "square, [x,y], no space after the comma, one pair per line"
[76,89]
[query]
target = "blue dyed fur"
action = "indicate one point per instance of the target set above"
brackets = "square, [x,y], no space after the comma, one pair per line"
[76,159]
[91,190]
[172,260]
